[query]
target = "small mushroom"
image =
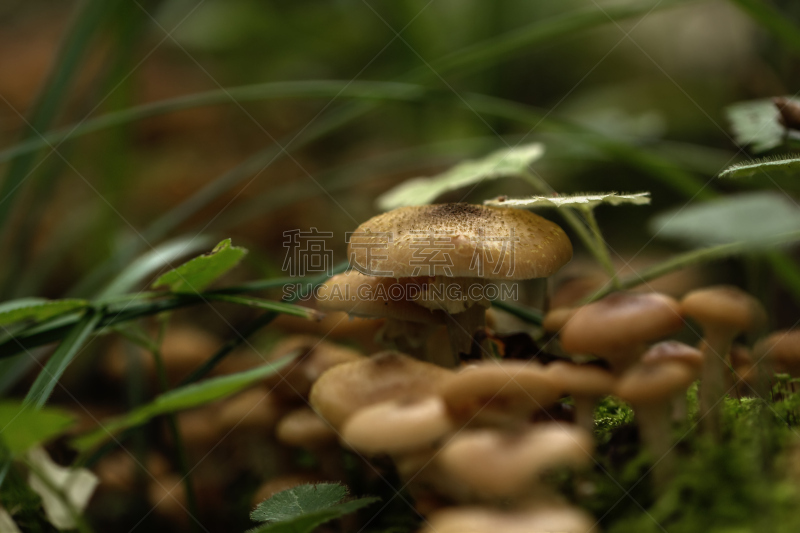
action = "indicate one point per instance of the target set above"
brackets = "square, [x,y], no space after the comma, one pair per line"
[504,393]
[495,465]
[650,389]
[723,312]
[586,384]
[619,327]
[543,518]
[677,352]
[398,426]
[347,388]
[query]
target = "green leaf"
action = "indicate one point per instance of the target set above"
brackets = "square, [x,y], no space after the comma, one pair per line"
[508,162]
[159,257]
[755,124]
[753,219]
[37,309]
[22,426]
[304,508]
[771,166]
[589,200]
[196,274]
[61,358]
[182,398]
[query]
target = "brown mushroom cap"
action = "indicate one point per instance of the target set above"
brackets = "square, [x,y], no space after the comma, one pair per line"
[370,296]
[673,351]
[255,408]
[397,426]
[305,428]
[544,519]
[724,306]
[783,349]
[613,325]
[555,320]
[498,391]
[499,465]
[646,384]
[584,380]
[344,389]
[461,231]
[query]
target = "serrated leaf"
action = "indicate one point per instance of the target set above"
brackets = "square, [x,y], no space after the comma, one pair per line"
[181,398]
[304,508]
[577,200]
[771,166]
[196,274]
[22,426]
[37,309]
[754,123]
[505,163]
[754,219]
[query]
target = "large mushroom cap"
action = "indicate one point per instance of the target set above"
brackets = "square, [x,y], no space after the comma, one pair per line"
[724,306]
[485,520]
[371,296]
[783,349]
[610,327]
[450,239]
[344,389]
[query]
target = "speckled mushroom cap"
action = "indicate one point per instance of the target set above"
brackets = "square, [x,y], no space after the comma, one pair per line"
[400,238]
[498,392]
[611,326]
[783,349]
[397,426]
[371,296]
[345,389]
[646,384]
[495,464]
[724,306]
[555,518]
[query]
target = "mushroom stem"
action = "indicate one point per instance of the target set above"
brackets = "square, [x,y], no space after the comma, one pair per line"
[654,428]
[716,346]
[461,327]
[584,412]
[405,336]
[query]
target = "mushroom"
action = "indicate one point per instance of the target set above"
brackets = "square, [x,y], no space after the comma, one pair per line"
[619,326]
[407,325]
[494,465]
[543,518]
[503,393]
[678,352]
[397,426]
[457,248]
[723,312]
[650,389]
[347,388]
[586,384]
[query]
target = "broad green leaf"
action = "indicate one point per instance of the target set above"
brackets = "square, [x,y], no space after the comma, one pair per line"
[196,274]
[22,426]
[37,309]
[505,163]
[186,397]
[770,166]
[148,264]
[61,358]
[579,200]
[304,508]
[754,123]
[754,219]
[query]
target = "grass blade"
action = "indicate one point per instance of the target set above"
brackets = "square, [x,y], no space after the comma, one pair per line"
[46,380]
[182,398]
[267,305]
[55,90]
